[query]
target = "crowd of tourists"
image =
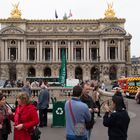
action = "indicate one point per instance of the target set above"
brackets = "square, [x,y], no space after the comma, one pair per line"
[80,111]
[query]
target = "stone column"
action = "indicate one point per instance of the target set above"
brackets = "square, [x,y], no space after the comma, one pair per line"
[122,49]
[129,57]
[101,50]
[56,51]
[22,51]
[19,51]
[88,52]
[2,50]
[26,51]
[37,53]
[40,48]
[53,44]
[72,51]
[85,53]
[6,51]
[106,46]
[59,54]
[116,53]
[119,50]
[69,52]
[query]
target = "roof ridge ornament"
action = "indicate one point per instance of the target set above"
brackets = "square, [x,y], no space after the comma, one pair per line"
[16,13]
[109,13]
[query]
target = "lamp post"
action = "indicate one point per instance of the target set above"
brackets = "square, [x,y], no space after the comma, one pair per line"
[12,69]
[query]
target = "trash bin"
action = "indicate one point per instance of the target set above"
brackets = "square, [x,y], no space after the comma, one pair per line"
[58,114]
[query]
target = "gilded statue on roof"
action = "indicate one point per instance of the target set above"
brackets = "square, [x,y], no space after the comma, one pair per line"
[16,13]
[109,13]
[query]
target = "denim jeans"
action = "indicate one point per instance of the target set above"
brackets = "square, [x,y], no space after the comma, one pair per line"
[89,133]
[76,137]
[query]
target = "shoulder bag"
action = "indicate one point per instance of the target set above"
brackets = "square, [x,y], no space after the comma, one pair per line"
[79,128]
[35,134]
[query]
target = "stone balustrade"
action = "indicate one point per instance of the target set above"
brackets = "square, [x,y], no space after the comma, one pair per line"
[59,93]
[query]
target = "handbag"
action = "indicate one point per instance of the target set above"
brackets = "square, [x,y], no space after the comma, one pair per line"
[79,128]
[35,135]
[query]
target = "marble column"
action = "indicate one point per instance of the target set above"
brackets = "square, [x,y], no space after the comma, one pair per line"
[122,49]
[72,51]
[88,52]
[69,52]
[56,51]
[85,53]
[106,46]
[6,51]
[40,48]
[101,50]
[37,55]
[119,49]
[53,44]
[26,51]
[22,51]
[2,50]
[19,51]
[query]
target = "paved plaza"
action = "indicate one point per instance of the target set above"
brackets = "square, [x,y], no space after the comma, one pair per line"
[99,132]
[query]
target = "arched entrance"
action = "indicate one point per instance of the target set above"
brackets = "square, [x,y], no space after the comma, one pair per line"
[47,72]
[79,73]
[31,72]
[113,73]
[95,73]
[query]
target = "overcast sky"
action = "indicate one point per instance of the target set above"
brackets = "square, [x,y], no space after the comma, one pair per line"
[81,9]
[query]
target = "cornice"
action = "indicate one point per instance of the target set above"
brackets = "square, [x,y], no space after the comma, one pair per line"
[61,21]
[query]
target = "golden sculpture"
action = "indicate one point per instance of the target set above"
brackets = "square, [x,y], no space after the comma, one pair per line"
[109,13]
[16,13]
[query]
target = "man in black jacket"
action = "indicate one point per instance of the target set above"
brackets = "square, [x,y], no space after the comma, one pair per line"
[87,99]
[116,121]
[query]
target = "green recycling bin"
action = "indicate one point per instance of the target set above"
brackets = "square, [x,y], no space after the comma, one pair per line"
[58,114]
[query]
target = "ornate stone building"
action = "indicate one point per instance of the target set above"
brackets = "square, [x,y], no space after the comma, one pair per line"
[135,63]
[95,49]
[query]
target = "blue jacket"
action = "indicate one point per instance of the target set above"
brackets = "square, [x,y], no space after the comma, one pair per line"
[27,89]
[81,115]
[43,99]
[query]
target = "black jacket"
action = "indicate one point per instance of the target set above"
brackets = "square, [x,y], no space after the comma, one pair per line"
[117,124]
[90,103]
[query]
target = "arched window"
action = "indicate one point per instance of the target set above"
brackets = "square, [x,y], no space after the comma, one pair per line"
[31,72]
[93,42]
[78,42]
[112,42]
[12,42]
[32,42]
[47,42]
[47,72]
[63,43]
[78,73]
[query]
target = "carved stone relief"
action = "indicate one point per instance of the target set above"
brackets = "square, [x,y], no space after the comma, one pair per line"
[113,30]
[12,31]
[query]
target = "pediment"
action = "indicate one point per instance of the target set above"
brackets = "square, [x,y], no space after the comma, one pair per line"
[113,30]
[12,30]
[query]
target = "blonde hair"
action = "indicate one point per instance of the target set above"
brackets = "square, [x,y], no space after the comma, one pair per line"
[24,97]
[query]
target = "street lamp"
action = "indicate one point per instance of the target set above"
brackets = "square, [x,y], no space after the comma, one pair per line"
[12,69]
